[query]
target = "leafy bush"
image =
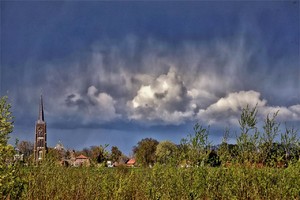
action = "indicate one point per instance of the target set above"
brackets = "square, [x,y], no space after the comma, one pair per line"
[11,185]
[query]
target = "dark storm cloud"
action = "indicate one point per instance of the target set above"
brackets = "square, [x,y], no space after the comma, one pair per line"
[168,87]
[148,64]
[72,100]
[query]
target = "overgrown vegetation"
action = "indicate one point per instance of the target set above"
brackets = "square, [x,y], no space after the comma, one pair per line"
[162,182]
[11,182]
[264,164]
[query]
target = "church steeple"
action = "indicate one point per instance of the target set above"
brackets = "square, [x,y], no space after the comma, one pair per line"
[40,143]
[41,110]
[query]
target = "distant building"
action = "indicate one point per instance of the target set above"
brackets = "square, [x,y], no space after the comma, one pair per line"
[67,157]
[131,162]
[60,150]
[59,146]
[82,161]
[109,163]
[18,155]
[40,142]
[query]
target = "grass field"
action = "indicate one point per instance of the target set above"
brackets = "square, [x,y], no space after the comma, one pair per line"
[161,182]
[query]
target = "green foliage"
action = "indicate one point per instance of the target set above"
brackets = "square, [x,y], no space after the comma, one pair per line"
[268,147]
[145,151]
[183,151]
[290,143]
[162,182]
[53,157]
[97,154]
[224,150]
[11,185]
[115,154]
[248,119]
[6,123]
[199,145]
[166,152]
[102,154]
[249,138]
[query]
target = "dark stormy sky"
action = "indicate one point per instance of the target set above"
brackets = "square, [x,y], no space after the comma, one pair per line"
[117,72]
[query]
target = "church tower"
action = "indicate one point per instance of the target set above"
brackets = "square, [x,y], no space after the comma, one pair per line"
[40,143]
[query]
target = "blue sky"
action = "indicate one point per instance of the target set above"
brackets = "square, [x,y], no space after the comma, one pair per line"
[117,72]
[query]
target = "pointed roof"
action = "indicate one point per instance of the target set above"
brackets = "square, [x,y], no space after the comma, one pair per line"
[41,110]
[131,161]
[81,157]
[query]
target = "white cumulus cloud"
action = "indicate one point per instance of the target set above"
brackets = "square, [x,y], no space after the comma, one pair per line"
[227,110]
[166,100]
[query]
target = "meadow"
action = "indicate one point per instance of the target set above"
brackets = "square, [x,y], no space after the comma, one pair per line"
[161,182]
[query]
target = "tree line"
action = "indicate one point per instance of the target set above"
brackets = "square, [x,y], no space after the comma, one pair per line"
[256,146]
[264,145]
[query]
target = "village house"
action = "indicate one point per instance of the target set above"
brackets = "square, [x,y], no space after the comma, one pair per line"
[131,162]
[18,155]
[82,161]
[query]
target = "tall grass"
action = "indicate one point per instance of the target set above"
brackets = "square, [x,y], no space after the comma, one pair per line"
[162,182]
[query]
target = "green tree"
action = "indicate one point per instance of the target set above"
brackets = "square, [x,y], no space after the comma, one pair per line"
[183,151]
[6,121]
[103,154]
[94,152]
[115,154]
[199,145]
[224,151]
[166,152]
[53,157]
[145,151]
[11,185]
[290,143]
[267,146]
[87,152]
[249,138]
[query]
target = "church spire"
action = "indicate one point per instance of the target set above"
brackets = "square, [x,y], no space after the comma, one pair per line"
[40,144]
[41,110]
